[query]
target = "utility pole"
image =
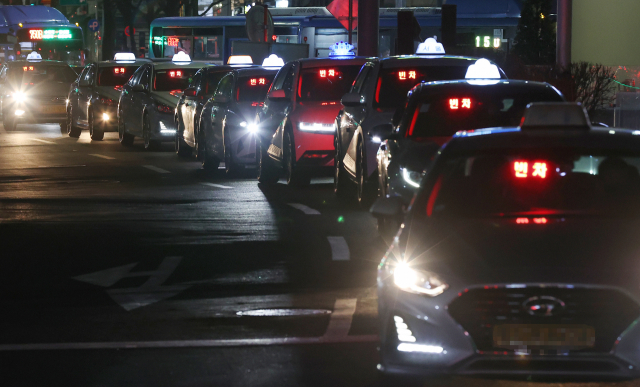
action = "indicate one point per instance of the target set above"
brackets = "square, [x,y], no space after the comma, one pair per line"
[368,22]
[563,34]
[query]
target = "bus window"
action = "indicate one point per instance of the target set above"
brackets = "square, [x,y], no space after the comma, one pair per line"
[326,37]
[175,44]
[207,47]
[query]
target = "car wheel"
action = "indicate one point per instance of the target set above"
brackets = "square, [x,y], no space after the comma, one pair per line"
[95,133]
[364,192]
[268,173]
[182,149]
[149,144]
[72,130]
[209,162]
[294,176]
[340,179]
[125,138]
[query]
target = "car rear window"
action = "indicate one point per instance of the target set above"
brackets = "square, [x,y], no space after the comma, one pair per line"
[172,79]
[254,88]
[213,78]
[443,114]
[328,83]
[394,83]
[36,73]
[115,76]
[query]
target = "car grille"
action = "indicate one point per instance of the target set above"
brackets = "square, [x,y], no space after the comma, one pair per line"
[608,311]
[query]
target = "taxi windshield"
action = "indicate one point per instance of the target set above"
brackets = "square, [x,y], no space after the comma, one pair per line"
[172,79]
[328,83]
[36,73]
[442,115]
[253,88]
[394,83]
[115,76]
[536,182]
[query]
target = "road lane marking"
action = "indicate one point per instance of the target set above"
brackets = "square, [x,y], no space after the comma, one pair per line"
[189,343]
[149,292]
[102,156]
[339,248]
[305,209]
[45,141]
[341,318]
[217,185]
[156,169]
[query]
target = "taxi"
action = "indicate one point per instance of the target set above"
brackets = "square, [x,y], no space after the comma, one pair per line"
[498,269]
[147,103]
[35,91]
[297,123]
[228,131]
[435,111]
[378,92]
[93,97]
[189,108]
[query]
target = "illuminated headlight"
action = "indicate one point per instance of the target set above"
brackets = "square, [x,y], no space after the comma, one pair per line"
[376,139]
[316,127]
[417,281]
[105,117]
[253,128]
[66,101]
[19,113]
[412,178]
[243,124]
[410,347]
[19,96]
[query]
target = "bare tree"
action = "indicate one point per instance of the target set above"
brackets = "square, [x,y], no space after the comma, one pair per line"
[592,85]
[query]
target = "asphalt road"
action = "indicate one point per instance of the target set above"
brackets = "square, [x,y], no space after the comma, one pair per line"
[122,267]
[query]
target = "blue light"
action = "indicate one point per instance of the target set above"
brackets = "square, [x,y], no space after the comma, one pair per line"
[341,49]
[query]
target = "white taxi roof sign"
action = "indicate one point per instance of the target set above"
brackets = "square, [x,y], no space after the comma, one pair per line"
[33,55]
[181,56]
[555,115]
[341,49]
[273,61]
[430,47]
[482,69]
[240,60]
[124,57]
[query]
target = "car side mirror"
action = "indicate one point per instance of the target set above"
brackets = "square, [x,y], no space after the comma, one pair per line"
[389,207]
[352,99]
[277,95]
[139,88]
[190,92]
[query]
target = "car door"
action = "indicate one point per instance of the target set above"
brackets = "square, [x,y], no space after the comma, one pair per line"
[218,114]
[277,110]
[139,100]
[351,116]
[189,107]
[125,108]
[84,95]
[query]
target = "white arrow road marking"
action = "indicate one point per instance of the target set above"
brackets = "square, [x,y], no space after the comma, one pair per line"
[106,278]
[217,185]
[45,141]
[189,343]
[156,169]
[341,318]
[339,248]
[305,209]
[102,156]
[148,293]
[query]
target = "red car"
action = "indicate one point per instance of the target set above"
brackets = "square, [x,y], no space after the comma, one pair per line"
[297,122]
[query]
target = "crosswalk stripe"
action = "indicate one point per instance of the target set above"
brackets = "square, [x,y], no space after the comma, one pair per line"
[305,209]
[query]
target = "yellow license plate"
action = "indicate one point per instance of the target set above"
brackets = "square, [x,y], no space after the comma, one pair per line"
[515,336]
[54,109]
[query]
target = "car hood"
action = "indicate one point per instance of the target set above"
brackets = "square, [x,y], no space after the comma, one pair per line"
[53,89]
[108,92]
[317,112]
[165,97]
[577,249]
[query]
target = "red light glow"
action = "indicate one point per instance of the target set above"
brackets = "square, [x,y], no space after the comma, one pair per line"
[404,75]
[521,168]
[28,68]
[327,73]
[274,38]
[522,220]
[257,81]
[540,220]
[175,74]
[118,70]
[36,34]
[457,103]
[173,42]
[454,103]
[538,169]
